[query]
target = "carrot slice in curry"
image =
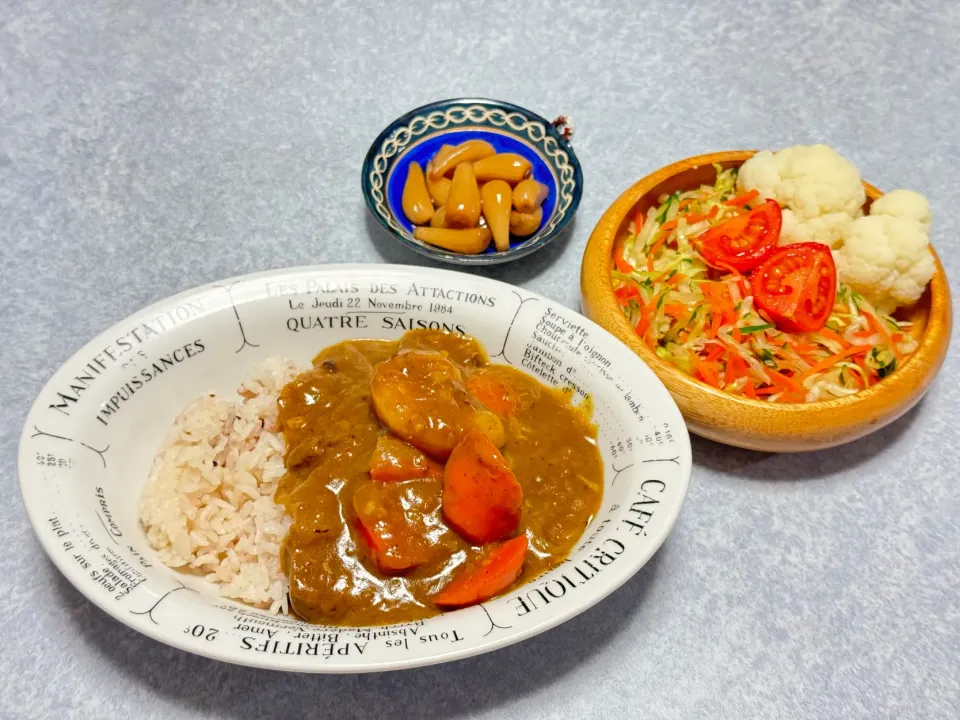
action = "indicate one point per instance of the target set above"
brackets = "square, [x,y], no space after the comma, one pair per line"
[395,547]
[481,497]
[393,459]
[492,392]
[499,568]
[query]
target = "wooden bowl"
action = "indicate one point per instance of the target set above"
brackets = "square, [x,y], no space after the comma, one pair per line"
[756,424]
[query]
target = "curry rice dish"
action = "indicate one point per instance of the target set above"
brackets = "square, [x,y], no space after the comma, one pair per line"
[389,482]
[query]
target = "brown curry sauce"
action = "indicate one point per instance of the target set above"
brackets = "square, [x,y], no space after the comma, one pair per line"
[331,430]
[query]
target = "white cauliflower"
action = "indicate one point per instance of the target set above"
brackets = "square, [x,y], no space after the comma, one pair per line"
[885,259]
[760,173]
[809,180]
[905,204]
[827,229]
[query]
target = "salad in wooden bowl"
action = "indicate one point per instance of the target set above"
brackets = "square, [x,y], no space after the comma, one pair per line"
[785,303]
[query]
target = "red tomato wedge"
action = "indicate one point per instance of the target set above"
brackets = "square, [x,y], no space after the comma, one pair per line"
[742,242]
[499,568]
[393,459]
[482,499]
[796,286]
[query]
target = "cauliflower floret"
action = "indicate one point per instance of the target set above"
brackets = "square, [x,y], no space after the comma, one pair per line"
[886,260]
[760,173]
[810,180]
[827,229]
[905,204]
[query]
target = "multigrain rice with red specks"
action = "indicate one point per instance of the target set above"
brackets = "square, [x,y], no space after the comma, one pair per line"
[208,506]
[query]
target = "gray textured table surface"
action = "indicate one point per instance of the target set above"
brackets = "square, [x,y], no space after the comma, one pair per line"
[149,147]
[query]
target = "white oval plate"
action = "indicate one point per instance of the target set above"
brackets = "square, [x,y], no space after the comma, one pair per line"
[91,435]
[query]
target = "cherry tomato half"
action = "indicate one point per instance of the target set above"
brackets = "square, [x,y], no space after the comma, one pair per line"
[796,286]
[744,241]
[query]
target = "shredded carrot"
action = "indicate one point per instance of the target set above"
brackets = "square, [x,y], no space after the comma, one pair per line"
[831,335]
[721,307]
[767,390]
[622,265]
[646,314]
[855,376]
[723,294]
[675,310]
[742,200]
[709,373]
[882,331]
[826,363]
[716,320]
[729,268]
[658,244]
[718,296]
[740,365]
[695,217]
[749,390]
[737,337]
[668,226]
[742,282]
[863,366]
[897,337]
[638,222]
[714,353]
[784,382]
[625,293]
[729,371]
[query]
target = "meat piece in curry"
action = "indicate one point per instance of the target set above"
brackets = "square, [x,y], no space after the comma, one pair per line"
[421,478]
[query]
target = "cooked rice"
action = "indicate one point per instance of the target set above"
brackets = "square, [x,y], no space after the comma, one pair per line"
[208,504]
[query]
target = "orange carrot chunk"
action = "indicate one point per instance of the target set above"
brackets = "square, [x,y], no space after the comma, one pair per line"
[493,393]
[499,568]
[393,459]
[395,547]
[481,497]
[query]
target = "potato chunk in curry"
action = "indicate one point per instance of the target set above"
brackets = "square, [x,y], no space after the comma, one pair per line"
[422,397]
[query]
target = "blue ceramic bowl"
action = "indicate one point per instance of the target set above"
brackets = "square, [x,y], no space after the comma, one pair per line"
[418,135]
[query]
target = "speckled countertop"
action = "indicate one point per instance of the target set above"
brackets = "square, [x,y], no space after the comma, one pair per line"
[149,147]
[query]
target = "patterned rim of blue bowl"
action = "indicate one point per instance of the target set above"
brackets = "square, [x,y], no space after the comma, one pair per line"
[466,113]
